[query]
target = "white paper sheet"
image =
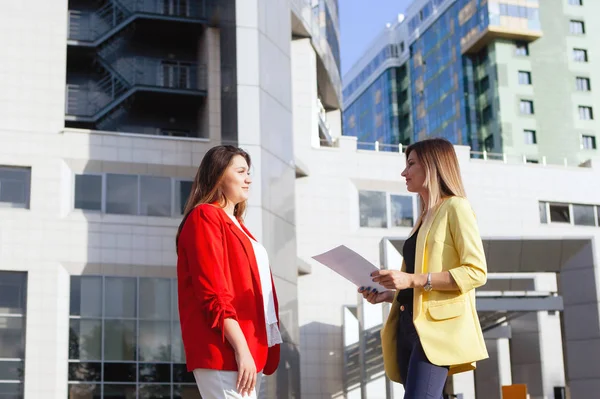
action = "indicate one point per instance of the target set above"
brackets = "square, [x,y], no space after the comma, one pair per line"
[351,266]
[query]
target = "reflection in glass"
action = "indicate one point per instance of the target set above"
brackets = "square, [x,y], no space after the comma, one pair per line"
[583,215]
[119,372]
[88,192]
[186,392]
[373,212]
[86,296]
[155,372]
[155,340]
[11,390]
[155,196]
[119,392]
[85,339]
[84,391]
[402,211]
[559,213]
[11,370]
[154,391]
[181,375]
[122,194]
[13,287]
[543,213]
[120,296]
[155,295]
[119,340]
[85,371]
[178,353]
[182,192]
[12,337]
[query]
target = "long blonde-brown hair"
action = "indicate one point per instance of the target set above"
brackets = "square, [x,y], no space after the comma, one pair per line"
[442,172]
[207,188]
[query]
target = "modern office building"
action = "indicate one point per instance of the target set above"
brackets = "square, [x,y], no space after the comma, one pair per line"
[505,77]
[107,109]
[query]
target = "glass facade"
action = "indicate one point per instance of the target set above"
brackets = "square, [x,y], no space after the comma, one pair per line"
[374,116]
[13,312]
[125,340]
[453,90]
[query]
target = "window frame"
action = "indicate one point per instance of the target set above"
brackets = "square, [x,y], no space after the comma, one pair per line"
[521,49]
[388,204]
[548,204]
[19,205]
[174,185]
[592,138]
[530,133]
[583,52]
[586,84]
[587,111]
[576,23]
[528,79]
[531,107]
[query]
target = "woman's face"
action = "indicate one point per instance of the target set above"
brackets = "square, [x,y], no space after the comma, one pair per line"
[414,173]
[236,180]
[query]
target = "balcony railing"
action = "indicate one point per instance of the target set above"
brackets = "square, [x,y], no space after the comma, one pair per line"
[476,155]
[132,74]
[90,26]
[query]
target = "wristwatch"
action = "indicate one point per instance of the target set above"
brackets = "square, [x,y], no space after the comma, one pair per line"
[427,287]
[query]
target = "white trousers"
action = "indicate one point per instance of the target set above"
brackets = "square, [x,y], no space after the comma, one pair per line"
[217,384]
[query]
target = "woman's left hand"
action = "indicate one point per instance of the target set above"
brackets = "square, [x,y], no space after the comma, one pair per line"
[392,279]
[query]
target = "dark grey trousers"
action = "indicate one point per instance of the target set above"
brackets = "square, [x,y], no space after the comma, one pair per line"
[422,379]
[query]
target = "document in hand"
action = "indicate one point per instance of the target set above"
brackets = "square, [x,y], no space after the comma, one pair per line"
[351,266]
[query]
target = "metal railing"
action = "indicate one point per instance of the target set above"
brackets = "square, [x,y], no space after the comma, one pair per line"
[90,26]
[476,155]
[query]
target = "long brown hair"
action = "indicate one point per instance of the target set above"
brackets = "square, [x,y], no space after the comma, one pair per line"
[207,188]
[442,171]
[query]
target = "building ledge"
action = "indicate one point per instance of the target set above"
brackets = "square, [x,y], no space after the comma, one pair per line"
[477,41]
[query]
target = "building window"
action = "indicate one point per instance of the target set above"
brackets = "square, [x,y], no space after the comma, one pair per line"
[13,311]
[522,49]
[524,78]
[530,137]
[580,55]
[402,211]
[576,27]
[559,213]
[373,209]
[15,183]
[124,337]
[583,84]
[88,192]
[486,115]
[584,215]
[526,107]
[588,142]
[131,194]
[585,113]
[576,2]
[543,211]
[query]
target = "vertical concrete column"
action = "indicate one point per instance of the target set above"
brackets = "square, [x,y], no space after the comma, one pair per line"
[209,74]
[47,332]
[304,96]
[579,283]
[503,361]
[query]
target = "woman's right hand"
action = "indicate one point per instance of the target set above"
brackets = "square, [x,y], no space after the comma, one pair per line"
[374,297]
[246,380]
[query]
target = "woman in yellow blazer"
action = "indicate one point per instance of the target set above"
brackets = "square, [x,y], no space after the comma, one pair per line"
[432,330]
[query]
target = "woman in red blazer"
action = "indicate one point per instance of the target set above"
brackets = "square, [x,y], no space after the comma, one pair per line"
[227,302]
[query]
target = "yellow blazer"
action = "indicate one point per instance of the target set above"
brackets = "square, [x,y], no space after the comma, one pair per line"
[446,321]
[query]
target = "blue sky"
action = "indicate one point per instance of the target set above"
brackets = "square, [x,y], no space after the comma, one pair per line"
[361,21]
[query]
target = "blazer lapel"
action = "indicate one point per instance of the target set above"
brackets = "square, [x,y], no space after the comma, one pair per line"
[247,245]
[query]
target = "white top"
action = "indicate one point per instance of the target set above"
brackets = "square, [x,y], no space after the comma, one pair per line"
[262,260]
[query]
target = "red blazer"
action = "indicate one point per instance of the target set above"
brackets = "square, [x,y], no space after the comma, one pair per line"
[217,278]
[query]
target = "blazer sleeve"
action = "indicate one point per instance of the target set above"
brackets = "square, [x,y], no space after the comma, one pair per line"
[205,257]
[472,272]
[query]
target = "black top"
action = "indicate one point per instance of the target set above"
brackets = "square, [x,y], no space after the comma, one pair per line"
[405,297]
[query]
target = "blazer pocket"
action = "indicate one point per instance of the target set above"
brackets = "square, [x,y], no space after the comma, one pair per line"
[444,311]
